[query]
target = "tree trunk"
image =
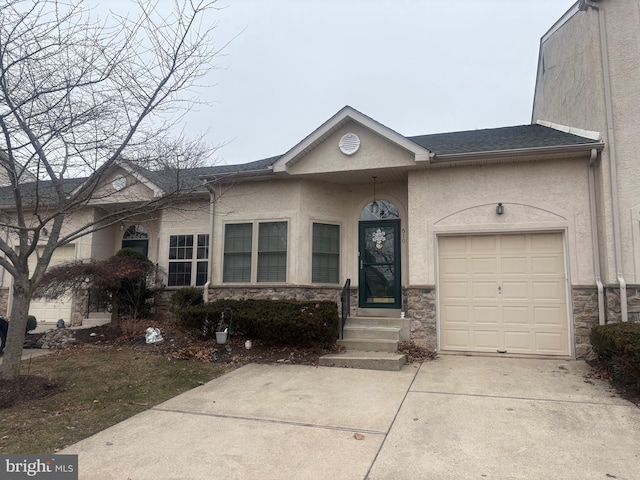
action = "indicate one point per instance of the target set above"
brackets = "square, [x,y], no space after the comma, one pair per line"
[10,368]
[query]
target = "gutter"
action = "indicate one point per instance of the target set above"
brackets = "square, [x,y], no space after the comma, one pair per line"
[594,237]
[613,171]
[212,212]
[516,152]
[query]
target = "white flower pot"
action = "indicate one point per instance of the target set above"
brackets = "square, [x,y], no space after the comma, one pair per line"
[221,337]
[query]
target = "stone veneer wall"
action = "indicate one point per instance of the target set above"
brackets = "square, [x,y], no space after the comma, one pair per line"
[421,311]
[585,316]
[613,310]
[4,302]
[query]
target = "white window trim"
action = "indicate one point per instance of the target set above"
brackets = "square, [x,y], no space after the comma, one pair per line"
[340,250]
[194,260]
[254,250]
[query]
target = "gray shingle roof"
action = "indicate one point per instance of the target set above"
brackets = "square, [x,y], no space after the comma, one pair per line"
[442,144]
[494,139]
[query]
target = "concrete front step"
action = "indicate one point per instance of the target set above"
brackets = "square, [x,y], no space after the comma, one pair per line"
[401,324]
[369,345]
[365,360]
[361,332]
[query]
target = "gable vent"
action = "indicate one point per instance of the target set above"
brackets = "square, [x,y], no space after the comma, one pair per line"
[349,144]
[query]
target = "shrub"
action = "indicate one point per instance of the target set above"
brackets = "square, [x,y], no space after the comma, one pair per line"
[135,299]
[32,323]
[185,297]
[618,348]
[274,322]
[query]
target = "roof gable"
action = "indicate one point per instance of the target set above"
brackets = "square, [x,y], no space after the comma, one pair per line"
[336,123]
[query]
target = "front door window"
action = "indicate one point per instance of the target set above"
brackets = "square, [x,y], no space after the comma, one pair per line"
[137,238]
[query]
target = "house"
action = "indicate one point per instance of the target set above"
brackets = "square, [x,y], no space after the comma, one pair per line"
[516,239]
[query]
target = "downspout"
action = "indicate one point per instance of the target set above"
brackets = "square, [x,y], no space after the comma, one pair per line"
[594,235]
[212,212]
[613,171]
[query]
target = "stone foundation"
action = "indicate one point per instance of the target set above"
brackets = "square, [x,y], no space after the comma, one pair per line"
[585,317]
[4,302]
[421,311]
[613,311]
[419,304]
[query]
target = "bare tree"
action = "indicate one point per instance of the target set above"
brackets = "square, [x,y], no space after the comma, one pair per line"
[76,98]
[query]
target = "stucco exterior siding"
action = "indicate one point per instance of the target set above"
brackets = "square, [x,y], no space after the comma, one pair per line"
[375,152]
[571,89]
[301,203]
[548,196]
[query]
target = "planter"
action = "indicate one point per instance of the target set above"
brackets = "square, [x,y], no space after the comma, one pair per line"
[221,337]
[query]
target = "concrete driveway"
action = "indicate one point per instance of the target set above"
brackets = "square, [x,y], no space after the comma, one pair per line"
[454,418]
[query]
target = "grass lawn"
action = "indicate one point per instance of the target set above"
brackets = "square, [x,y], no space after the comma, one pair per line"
[101,387]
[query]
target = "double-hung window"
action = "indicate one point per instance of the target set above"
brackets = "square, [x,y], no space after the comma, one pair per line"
[237,252]
[325,264]
[188,260]
[267,257]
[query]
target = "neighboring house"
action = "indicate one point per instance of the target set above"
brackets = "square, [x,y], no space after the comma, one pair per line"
[488,240]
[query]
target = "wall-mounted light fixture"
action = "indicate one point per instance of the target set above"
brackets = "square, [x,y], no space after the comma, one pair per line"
[122,226]
[499,209]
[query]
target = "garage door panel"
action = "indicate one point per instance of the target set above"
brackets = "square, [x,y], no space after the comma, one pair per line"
[548,291]
[512,298]
[514,265]
[518,341]
[551,343]
[514,290]
[453,245]
[483,266]
[483,244]
[455,290]
[547,265]
[484,290]
[486,339]
[457,339]
[483,315]
[456,314]
[516,315]
[455,266]
[549,315]
[547,242]
[513,243]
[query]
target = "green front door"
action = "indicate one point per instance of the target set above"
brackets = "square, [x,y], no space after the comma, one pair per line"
[379,255]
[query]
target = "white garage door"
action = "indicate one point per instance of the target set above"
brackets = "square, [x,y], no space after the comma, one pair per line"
[504,293]
[50,311]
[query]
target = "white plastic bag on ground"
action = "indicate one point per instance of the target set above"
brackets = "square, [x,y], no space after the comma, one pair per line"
[153,335]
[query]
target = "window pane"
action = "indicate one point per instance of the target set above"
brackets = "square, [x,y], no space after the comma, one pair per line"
[203,246]
[326,253]
[179,274]
[237,252]
[272,237]
[180,247]
[201,273]
[272,267]
[272,252]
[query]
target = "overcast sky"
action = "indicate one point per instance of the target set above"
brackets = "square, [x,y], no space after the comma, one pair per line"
[416,66]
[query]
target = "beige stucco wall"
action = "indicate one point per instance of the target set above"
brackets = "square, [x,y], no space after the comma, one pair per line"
[191,218]
[570,90]
[541,196]
[301,203]
[375,152]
